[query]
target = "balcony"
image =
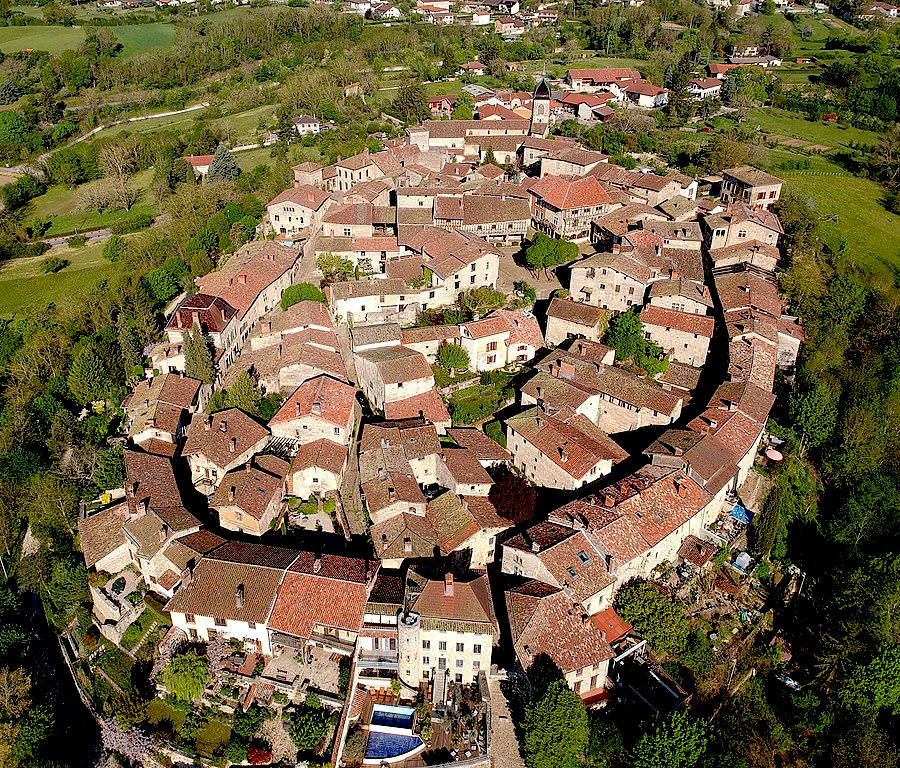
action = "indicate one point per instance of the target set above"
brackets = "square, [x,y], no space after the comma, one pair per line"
[331,643]
[382,660]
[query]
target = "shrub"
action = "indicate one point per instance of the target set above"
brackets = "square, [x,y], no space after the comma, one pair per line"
[76,241]
[53,264]
[494,430]
[114,248]
[294,294]
[19,192]
[133,223]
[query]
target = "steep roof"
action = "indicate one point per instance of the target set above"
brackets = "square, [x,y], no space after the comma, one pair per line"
[569,194]
[211,436]
[322,397]
[397,364]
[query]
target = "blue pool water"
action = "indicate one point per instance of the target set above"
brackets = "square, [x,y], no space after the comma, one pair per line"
[386,745]
[395,717]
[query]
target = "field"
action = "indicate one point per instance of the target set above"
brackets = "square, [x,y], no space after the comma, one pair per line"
[138,38]
[60,204]
[52,39]
[135,38]
[851,209]
[23,286]
[783,123]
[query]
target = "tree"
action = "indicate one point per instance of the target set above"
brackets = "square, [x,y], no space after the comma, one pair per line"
[88,377]
[118,160]
[411,103]
[243,394]
[677,740]
[656,617]
[186,676]
[109,470]
[114,248]
[513,498]
[14,133]
[130,346]
[548,252]
[334,267]
[294,294]
[15,687]
[453,357]
[309,726]
[525,291]
[556,729]
[9,92]
[198,359]
[464,107]
[223,166]
[626,336]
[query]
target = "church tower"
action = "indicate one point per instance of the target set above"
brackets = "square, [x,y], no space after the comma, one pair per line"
[540,110]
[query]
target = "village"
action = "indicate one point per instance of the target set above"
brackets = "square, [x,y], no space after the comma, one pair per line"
[369,552]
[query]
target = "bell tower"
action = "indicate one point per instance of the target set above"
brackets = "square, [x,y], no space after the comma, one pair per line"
[540,109]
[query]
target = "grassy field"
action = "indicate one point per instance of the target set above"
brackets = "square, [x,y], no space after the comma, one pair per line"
[52,39]
[783,123]
[23,286]
[139,38]
[851,209]
[135,39]
[60,204]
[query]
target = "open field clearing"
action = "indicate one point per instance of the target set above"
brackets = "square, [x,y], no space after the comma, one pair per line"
[24,286]
[782,123]
[135,38]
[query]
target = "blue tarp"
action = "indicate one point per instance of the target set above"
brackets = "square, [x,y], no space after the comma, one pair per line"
[739,513]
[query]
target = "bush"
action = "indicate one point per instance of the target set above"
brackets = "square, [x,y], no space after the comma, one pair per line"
[76,241]
[494,430]
[114,248]
[19,192]
[294,294]
[53,264]
[133,223]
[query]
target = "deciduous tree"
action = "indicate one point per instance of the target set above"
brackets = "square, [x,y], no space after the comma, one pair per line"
[556,729]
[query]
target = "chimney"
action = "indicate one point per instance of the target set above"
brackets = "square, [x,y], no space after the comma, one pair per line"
[239,596]
[164,532]
[535,547]
[317,408]
[392,493]
[298,409]
[563,455]
[232,444]
[242,278]
[280,350]
[448,585]
[267,325]
[134,488]
[317,564]
[223,426]
[681,487]
[231,492]
[146,505]
[609,500]
[539,421]
[208,423]
[349,289]
[540,396]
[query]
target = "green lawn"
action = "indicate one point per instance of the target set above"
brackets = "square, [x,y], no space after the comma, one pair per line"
[52,39]
[24,286]
[851,208]
[117,665]
[60,204]
[139,38]
[784,123]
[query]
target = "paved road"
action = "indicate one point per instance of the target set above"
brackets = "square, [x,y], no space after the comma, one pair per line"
[93,235]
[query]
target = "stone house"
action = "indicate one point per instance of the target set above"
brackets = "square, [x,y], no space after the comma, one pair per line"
[321,407]
[249,499]
[684,336]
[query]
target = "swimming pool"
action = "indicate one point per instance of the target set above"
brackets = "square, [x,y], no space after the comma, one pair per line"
[384,746]
[393,717]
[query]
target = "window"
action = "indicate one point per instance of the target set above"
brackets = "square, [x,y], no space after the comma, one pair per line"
[492,346]
[476,648]
[472,280]
[458,677]
[492,359]
[476,665]
[442,645]
[460,647]
[337,430]
[572,572]
[426,644]
[220,622]
[442,663]
[346,231]
[189,618]
[251,624]
[473,266]
[577,686]
[459,663]
[584,558]
[426,660]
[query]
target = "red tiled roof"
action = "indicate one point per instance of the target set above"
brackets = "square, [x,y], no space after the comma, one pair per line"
[304,195]
[320,453]
[248,272]
[687,322]
[305,600]
[428,405]
[611,625]
[323,397]
[212,312]
[211,436]
[567,194]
